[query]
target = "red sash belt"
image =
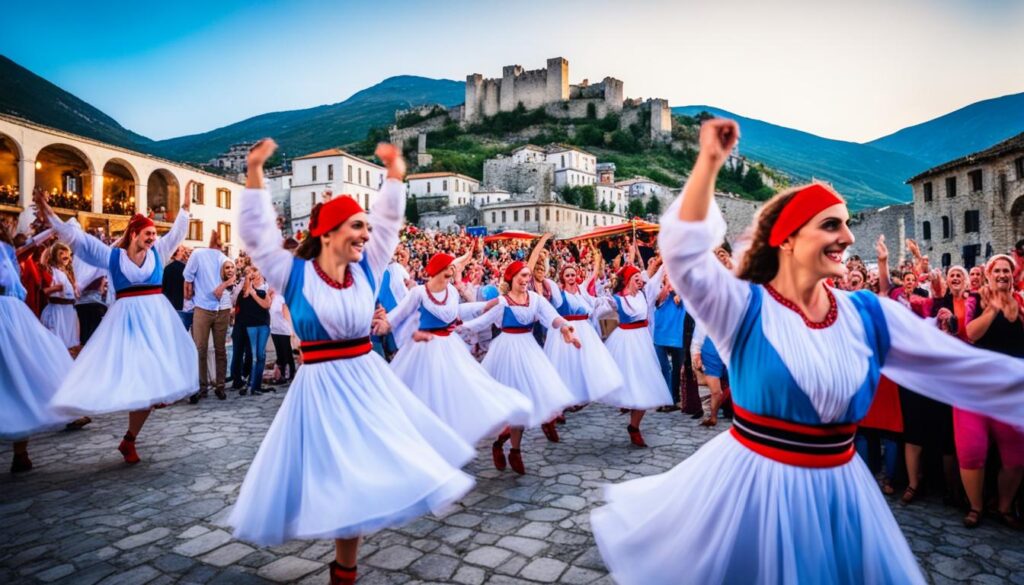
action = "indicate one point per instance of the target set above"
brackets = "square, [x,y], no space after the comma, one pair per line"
[60,301]
[576,317]
[794,443]
[633,325]
[517,329]
[138,291]
[314,352]
[442,332]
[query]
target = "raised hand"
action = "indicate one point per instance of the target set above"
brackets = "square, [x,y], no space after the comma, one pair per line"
[391,157]
[186,201]
[881,250]
[260,152]
[718,137]
[913,249]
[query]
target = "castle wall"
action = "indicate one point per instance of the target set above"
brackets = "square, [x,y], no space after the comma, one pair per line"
[577,108]
[531,90]
[896,222]
[557,80]
[530,179]
[490,104]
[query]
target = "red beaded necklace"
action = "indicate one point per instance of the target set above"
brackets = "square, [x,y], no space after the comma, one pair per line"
[433,299]
[330,281]
[512,303]
[830,317]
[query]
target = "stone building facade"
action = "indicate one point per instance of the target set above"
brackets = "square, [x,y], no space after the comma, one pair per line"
[560,219]
[331,173]
[532,180]
[973,207]
[895,222]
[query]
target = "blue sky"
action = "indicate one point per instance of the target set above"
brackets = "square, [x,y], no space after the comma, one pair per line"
[847,70]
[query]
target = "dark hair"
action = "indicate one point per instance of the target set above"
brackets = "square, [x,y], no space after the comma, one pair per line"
[309,248]
[760,263]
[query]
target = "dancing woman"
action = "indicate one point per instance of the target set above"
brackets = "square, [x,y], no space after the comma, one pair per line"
[515,360]
[139,356]
[632,348]
[781,497]
[59,315]
[589,372]
[33,362]
[351,450]
[438,367]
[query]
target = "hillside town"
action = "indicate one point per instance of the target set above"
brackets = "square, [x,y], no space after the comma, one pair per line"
[630,369]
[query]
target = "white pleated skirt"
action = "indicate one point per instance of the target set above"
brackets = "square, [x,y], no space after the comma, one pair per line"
[350,451]
[140,355]
[62,320]
[454,386]
[515,360]
[589,372]
[644,387]
[729,515]
[33,362]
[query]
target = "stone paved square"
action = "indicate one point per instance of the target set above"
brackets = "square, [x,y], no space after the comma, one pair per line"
[83,517]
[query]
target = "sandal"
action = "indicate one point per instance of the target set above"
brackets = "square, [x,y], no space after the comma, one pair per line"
[972,519]
[887,488]
[909,495]
[709,422]
[1010,521]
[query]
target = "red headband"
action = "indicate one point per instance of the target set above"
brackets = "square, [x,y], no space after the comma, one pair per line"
[513,269]
[138,223]
[807,203]
[439,262]
[625,273]
[327,216]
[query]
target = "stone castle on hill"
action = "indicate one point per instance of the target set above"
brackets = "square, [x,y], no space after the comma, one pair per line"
[548,89]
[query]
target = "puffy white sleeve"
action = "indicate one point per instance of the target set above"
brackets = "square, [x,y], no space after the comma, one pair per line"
[491,317]
[699,334]
[604,306]
[262,239]
[940,366]
[653,287]
[169,242]
[556,293]
[711,293]
[386,217]
[87,247]
[472,310]
[546,313]
[406,307]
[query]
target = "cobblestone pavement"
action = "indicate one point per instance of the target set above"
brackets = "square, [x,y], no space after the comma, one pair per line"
[83,517]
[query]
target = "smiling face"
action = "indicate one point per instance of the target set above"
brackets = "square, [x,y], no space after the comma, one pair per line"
[1000,276]
[855,280]
[909,283]
[63,257]
[521,280]
[957,281]
[819,245]
[145,238]
[347,240]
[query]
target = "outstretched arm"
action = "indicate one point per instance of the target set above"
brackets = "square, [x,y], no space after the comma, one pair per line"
[388,212]
[87,247]
[942,367]
[258,221]
[691,229]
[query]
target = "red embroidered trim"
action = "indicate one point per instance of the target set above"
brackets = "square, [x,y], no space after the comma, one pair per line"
[512,303]
[830,317]
[430,296]
[330,281]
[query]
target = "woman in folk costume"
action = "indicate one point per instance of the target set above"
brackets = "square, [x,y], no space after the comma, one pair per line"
[59,315]
[780,498]
[140,356]
[33,362]
[351,450]
[438,367]
[632,347]
[515,360]
[589,372]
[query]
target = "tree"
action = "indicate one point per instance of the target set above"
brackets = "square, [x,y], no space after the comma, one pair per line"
[624,141]
[589,135]
[588,199]
[752,181]
[570,195]
[412,211]
[636,208]
[653,206]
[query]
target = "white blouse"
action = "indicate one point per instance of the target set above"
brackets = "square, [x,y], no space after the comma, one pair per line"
[408,309]
[344,313]
[830,364]
[96,253]
[536,309]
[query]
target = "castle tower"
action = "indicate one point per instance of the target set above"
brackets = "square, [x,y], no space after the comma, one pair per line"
[557,87]
[471,109]
[613,94]
[661,120]
[507,93]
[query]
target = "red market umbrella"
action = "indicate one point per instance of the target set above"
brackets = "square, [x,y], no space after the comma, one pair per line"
[627,227]
[510,235]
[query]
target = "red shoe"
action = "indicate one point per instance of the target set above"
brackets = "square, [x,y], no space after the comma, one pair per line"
[341,575]
[127,448]
[21,463]
[635,437]
[515,459]
[560,419]
[498,451]
[550,431]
